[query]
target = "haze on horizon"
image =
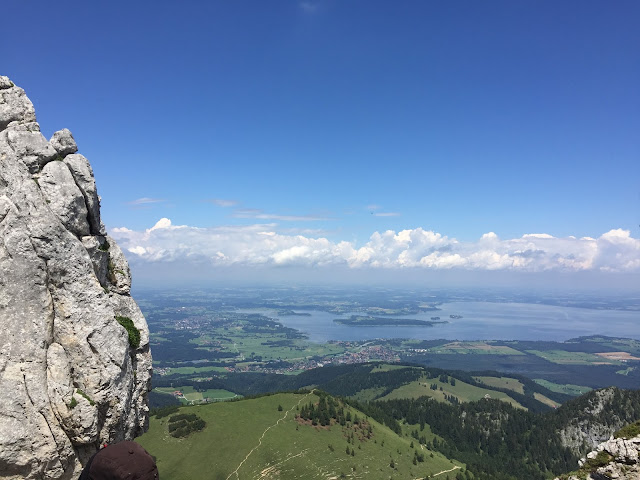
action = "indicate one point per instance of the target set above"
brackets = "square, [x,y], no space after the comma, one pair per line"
[351,142]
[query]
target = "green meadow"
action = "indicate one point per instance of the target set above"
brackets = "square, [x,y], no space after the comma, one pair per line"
[261,438]
[474,348]
[572,358]
[503,382]
[191,395]
[569,388]
[461,390]
[268,345]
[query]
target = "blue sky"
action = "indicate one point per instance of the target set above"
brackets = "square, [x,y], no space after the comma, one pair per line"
[321,125]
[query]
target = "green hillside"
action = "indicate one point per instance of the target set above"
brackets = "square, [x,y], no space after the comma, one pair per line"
[266,438]
[370,382]
[451,390]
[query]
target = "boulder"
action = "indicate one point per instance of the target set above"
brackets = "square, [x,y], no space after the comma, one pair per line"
[63,142]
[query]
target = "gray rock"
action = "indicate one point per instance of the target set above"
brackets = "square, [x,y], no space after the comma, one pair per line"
[64,197]
[70,380]
[622,465]
[29,145]
[624,451]
[119,274]
[83,176]
[98,250]
[584,429]
[14,104]
[5,83]
[63,142]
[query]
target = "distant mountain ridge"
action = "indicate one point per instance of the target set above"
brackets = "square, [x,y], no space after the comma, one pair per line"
[75,363]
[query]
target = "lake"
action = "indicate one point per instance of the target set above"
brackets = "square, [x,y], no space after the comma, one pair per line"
[481,321]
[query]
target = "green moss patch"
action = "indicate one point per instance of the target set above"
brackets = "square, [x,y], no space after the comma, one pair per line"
[81,393]
[134,333]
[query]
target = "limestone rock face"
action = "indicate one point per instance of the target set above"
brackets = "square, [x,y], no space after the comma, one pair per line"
[623,450]
[14,104]
[620,461]
[64,197]
[585,429]
[69,380]
[82,174]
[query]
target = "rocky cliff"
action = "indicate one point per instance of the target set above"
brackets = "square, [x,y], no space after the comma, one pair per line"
[593,417]
[617,458]
[75,365]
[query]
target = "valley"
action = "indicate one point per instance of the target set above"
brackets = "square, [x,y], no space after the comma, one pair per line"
[234,360]
[214,336]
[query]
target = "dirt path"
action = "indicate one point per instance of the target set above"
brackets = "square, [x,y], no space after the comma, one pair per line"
[440,473]
[235,472]
[445,471]
[273,469]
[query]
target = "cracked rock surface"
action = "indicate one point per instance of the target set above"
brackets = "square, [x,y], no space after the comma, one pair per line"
[622,464]
[69,380]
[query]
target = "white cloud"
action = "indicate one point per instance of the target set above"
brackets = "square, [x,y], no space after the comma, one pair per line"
[263,244]
[617,250]
[261,215]
[145,201]
[374,209]
[221,202]
[387,214]
[162,223]
[537,235]
[489,237]
[138,250]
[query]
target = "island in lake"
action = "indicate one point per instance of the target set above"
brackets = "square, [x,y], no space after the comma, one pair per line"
[291,313]
[368,321]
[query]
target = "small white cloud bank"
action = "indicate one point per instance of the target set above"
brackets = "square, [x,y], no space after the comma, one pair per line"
[258,214]
[221,202]
[145,201]
[263,245]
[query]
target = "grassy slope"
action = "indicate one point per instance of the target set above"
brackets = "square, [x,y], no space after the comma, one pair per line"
[474,348]
[192,370]
[388,367]
[257,440]
[503,382]
[546,400]
[462,390]
[191,395]
[573,358]
[570,389]
[517,386]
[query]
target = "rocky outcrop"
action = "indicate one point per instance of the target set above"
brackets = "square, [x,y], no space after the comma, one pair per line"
[70,380]
[617,458]
[600,413]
